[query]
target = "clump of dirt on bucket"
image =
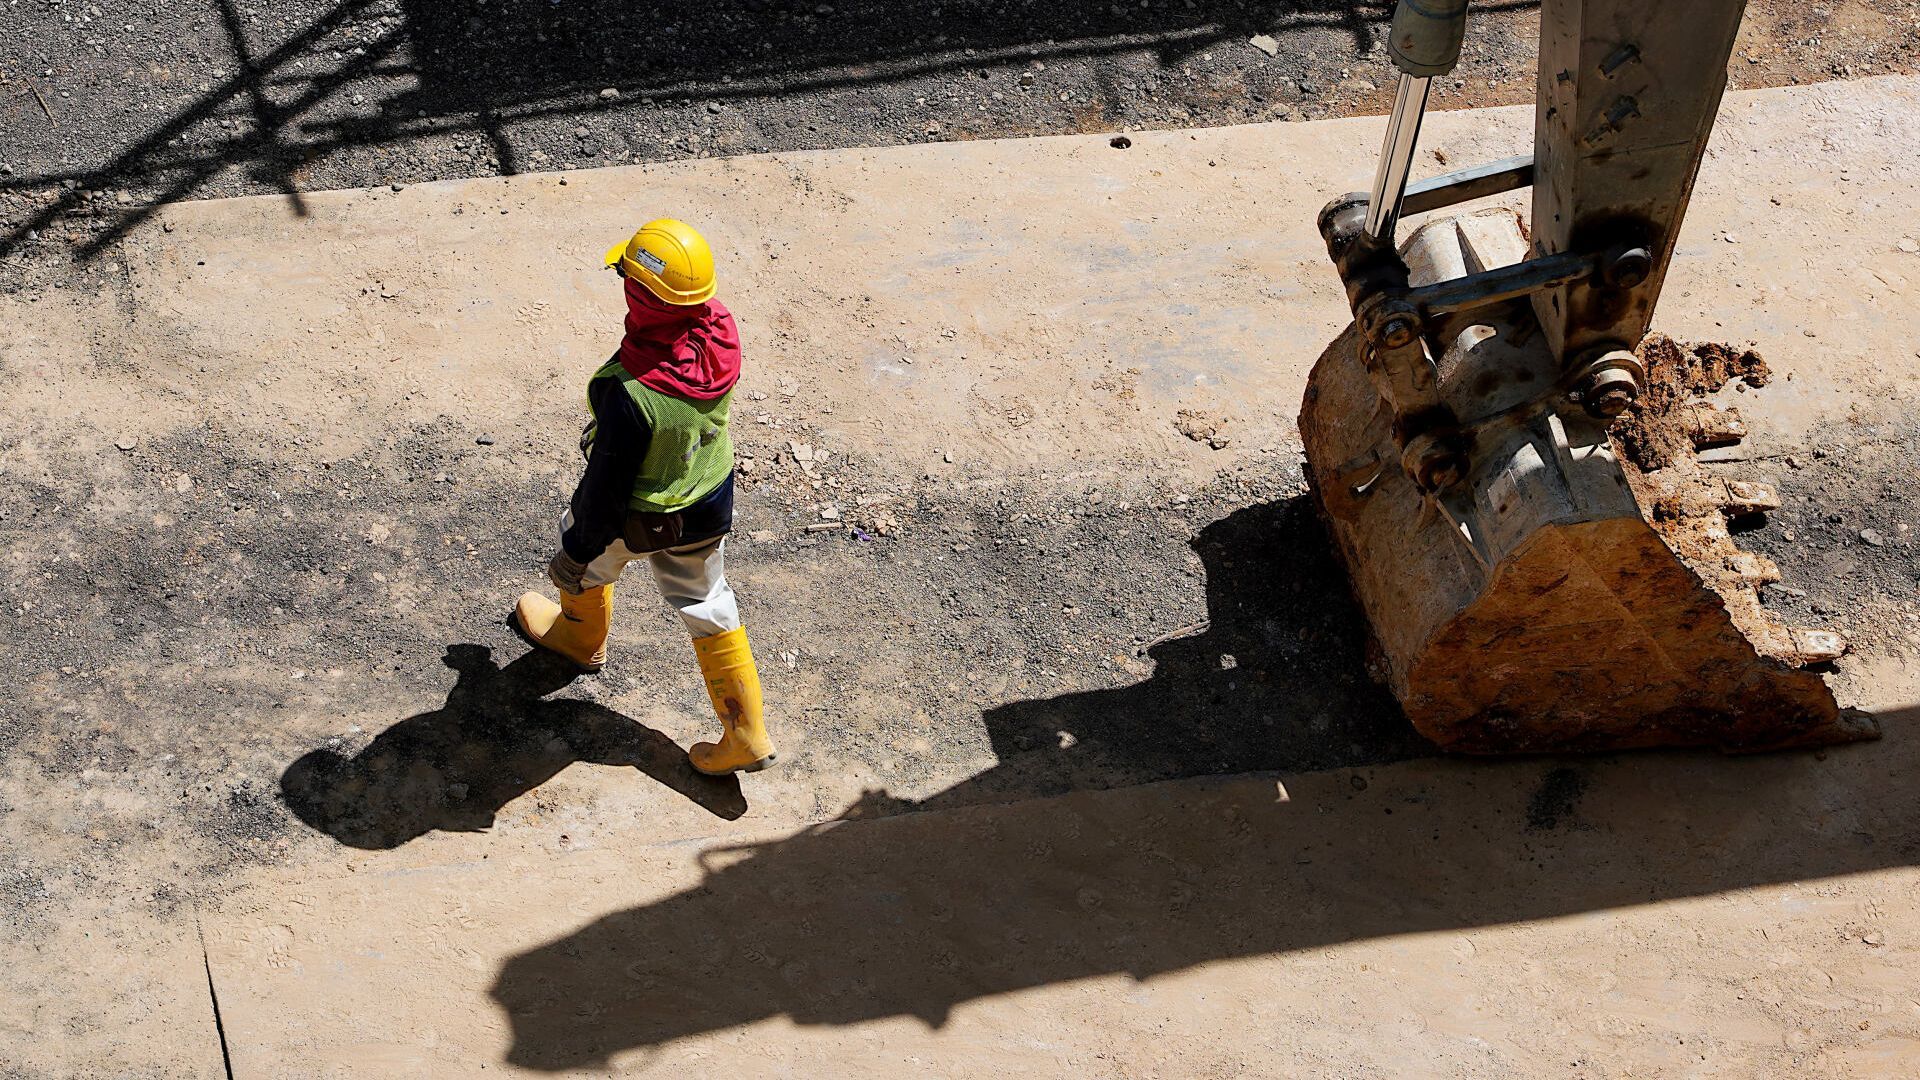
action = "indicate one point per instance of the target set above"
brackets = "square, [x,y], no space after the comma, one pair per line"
[1658,429]
[1689,504]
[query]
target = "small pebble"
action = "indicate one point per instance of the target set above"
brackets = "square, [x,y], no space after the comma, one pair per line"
[485,440]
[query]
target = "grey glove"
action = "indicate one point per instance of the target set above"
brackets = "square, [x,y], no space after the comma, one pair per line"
[565,571]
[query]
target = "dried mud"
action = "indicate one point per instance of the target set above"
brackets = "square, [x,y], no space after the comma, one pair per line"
[1699,508]
[1655,432]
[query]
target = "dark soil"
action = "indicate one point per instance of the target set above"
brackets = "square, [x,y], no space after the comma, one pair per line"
[108,109]
[1847,535]
[1138,635]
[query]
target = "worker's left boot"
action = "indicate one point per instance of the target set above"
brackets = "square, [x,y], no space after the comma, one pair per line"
[733,685]
[576,627]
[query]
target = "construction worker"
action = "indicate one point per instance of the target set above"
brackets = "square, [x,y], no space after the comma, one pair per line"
[659,486]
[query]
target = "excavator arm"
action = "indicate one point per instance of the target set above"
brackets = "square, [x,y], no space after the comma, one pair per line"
[1458,434]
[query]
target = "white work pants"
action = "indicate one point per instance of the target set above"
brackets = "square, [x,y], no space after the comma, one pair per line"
[692,577]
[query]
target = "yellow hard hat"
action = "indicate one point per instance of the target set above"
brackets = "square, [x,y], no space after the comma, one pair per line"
[670,259]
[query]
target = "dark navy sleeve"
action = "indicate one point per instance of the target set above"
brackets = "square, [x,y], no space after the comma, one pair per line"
[600,502]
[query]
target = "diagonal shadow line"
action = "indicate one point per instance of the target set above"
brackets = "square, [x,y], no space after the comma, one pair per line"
[296,78]
[254,140]
[179,123]
[352,133]
[260,144]
[156,143]
[266,116]
[922,913]
[358,132]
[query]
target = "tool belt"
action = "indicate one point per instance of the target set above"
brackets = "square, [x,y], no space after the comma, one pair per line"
[647,531]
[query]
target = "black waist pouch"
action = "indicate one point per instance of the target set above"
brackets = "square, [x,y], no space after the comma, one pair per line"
[712,516]
[647,531]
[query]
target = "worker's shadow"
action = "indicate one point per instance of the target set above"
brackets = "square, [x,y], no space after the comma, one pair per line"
[496,738]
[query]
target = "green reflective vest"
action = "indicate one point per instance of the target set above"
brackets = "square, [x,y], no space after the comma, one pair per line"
[691,451]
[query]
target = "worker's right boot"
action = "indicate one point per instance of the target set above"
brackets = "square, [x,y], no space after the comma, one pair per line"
[576,627]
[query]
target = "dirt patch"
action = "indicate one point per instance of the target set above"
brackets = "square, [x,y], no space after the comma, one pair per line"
[1204,427]
[1660,427]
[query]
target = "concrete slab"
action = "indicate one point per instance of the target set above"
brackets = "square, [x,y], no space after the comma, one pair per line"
[110,993]
[1631,917]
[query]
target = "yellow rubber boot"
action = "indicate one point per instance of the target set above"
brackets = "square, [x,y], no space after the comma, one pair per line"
[576,627]
[733,685]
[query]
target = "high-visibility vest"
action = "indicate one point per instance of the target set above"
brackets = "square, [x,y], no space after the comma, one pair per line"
[690,453]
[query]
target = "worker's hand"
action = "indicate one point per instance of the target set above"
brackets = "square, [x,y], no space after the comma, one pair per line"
[566,573]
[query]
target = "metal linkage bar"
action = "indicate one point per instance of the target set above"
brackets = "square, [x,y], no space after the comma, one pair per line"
[1503,283]
[1493,178]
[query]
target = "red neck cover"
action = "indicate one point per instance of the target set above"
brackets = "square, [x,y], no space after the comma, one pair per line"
[690,352]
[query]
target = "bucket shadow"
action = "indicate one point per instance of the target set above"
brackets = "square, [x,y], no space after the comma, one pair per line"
[920,914]
[1274,679]
[496,738]
[1340,838]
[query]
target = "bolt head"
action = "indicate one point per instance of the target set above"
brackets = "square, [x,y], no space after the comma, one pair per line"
[1630,268]
[1611,403]
[1609,392]
[1399,332]
[1439,469]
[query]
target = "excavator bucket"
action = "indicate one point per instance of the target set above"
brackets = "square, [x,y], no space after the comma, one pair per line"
[1578,588]
[1504,455]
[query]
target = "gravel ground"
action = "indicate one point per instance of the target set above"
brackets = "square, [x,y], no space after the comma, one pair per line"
[107,108]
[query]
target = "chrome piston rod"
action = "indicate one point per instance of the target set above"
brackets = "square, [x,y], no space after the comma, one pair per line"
[1396,155]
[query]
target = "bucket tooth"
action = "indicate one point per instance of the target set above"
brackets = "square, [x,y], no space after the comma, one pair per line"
[1743,497]
[1710,427]
[1753,570]
[1815,646]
